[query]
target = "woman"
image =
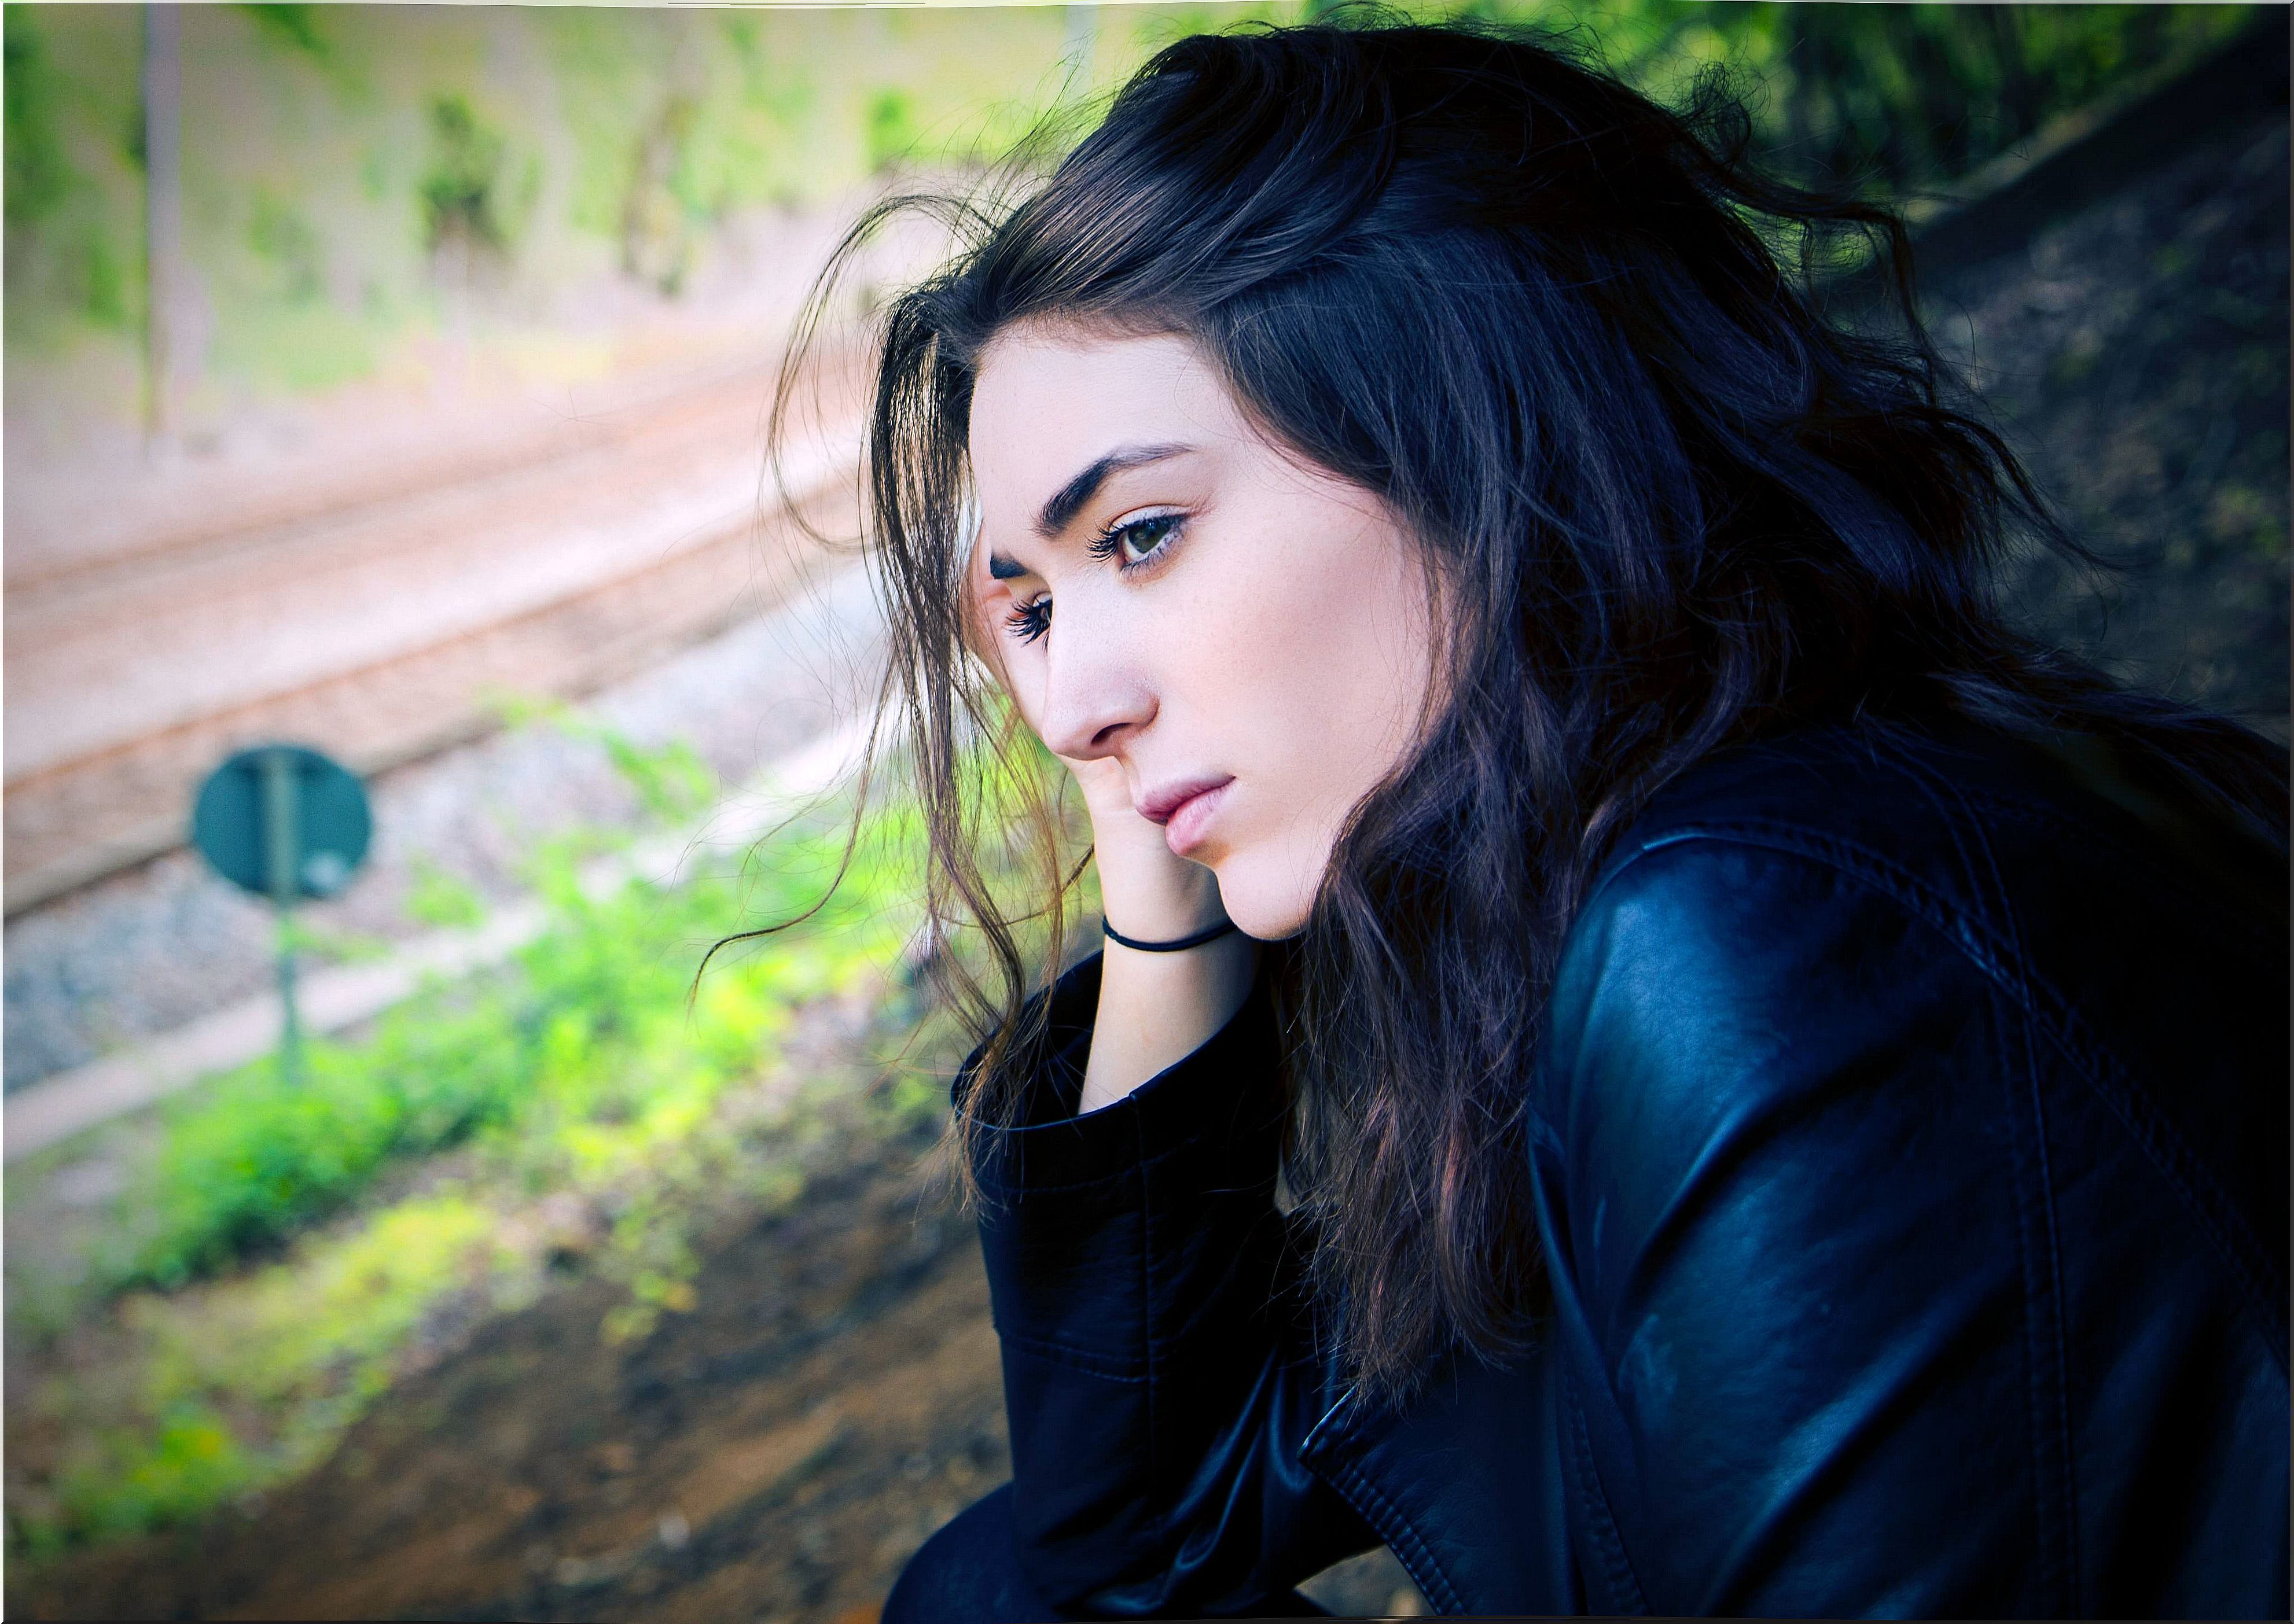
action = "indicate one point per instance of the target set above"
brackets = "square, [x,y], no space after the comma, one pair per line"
[1651,1053]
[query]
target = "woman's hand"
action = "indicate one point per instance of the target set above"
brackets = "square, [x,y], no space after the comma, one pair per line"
[1147,890]
[1154,1008]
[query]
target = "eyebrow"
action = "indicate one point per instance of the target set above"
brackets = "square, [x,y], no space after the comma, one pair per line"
[1069,498]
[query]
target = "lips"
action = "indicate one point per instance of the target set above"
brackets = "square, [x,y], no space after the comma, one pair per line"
[1186,809]
[1158,807]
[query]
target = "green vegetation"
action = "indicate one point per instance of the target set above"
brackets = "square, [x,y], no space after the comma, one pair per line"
[234,1388]
[352,176]
[459,191]
[348,171]
[1892,99]
[37,178]
[279,1255]
[74,138]
[294,25]
[278,1251]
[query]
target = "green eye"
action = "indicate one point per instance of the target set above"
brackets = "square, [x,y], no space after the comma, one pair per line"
[1134,544]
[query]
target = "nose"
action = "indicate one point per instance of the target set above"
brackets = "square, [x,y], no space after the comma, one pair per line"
[1096,695]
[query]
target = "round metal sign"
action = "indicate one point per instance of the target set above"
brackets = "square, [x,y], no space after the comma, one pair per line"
[284,821]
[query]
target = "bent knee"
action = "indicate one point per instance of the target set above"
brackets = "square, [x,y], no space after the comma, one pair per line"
[967,1574]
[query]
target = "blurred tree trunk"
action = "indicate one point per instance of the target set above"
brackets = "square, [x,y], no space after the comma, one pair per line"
[163,213]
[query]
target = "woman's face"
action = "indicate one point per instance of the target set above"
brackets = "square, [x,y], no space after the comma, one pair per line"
[1174,599]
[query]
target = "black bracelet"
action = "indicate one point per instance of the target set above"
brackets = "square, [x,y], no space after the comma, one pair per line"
[1195,940]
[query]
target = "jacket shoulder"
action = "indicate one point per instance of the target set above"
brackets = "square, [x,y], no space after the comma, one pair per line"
[1963,821]
[1848,891]
[1907,1138]
[2121,915]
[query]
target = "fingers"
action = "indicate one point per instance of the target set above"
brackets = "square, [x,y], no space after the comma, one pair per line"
[986,602]
[973,591]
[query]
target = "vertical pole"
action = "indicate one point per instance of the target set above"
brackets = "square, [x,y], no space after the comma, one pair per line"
[282,840]
[163,213]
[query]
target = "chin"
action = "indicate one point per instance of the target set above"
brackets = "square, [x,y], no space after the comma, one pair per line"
[1263,899]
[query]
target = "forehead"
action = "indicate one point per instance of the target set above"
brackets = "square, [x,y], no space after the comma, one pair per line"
[1047,401]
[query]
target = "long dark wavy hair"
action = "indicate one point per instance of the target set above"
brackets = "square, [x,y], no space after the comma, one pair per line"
[1576,342]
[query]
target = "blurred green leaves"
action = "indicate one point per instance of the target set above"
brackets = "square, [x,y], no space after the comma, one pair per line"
[274,1247]
[459,191]
[440,901]
[584,1041]
[892,129]
[37,174]
[74,173]
[1893,99]
[541,149]
[297,26]
[281,233]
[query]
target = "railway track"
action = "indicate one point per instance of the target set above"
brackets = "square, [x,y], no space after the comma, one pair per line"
[550,561]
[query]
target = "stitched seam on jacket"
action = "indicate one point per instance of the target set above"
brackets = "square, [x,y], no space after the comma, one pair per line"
[1600,1522]
[1147,1335]
[1388,1518]
[2053,1350]
[2240,1251]
[2052,1326]
[2005,810]
[2027,1342]
[2263,1288]
[2043,1353]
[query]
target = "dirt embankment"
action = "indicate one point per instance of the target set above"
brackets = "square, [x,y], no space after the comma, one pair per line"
[2136,356]
[778,1452]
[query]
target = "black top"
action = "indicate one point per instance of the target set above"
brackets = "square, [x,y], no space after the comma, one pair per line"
[1910,1151]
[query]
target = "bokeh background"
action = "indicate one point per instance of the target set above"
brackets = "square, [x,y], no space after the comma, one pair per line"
[391,378]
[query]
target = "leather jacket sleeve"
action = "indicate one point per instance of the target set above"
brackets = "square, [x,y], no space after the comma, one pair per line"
[1800,1154]
[1157,1376]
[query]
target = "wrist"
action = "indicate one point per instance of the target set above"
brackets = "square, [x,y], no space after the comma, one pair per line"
[1160,908]
[1156,1008]
[1146,890]
[1181,944]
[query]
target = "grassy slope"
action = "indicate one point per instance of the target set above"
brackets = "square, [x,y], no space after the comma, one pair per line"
[277,1250]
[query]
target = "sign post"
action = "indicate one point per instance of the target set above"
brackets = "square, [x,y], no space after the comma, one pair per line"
[288,823]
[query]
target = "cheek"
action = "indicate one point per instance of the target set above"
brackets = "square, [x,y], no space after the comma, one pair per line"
[1338,659]
[1306,670]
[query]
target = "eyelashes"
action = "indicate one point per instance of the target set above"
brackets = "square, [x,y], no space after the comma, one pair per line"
[1132,546]
[1156,528]
[1031,621]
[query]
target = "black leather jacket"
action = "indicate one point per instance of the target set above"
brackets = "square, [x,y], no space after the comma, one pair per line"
[1910,1144]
